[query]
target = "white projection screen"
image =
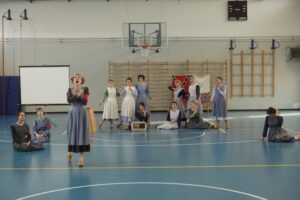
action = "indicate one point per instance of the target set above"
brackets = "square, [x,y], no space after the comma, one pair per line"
[44,85]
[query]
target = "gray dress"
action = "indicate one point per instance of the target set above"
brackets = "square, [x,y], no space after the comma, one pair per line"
[77,125]
[41,127]
[21,135]
[276,132]
[195,121]
[143,96]
[219,103]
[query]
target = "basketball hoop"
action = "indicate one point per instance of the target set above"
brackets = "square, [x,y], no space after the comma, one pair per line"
[145,49]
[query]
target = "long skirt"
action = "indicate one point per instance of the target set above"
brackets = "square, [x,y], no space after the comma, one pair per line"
[77,129]
[280,136]
[143,98]
[168,126]
[110,110]
[128,109]
[219,109]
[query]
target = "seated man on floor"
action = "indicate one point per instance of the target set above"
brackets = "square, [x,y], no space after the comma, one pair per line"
[195,120]
[173,118]
[141,118]
[41,127]
[22,137]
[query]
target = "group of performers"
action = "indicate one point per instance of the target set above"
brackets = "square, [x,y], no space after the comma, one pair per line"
[23,139]
[135,106]
[134,95]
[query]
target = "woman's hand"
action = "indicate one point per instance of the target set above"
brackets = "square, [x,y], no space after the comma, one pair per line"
[78,94]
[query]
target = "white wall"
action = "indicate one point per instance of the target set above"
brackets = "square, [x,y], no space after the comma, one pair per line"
[53,24]
[186,18]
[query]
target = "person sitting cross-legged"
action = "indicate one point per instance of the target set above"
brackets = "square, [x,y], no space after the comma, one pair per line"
[21,135]
[41,127]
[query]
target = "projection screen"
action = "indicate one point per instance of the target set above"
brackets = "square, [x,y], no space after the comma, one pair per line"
[44,85]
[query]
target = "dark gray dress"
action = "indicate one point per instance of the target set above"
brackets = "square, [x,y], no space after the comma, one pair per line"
[276,132]
[77,125]
[21,135]
[195,121]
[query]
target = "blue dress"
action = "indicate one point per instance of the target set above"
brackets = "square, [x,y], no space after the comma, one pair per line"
[41,127]
[143,96]
[77,125]
[219,103]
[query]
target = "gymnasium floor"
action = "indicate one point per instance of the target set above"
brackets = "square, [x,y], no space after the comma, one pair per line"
[185,164]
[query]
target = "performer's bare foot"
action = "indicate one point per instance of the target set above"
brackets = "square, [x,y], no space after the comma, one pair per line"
[69,157]
[111,124]
[80,163]
[297,137]
[100,125]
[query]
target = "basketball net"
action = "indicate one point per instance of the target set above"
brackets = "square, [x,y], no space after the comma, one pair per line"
[145,49]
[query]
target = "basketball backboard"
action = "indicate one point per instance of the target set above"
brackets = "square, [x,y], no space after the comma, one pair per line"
[137,35]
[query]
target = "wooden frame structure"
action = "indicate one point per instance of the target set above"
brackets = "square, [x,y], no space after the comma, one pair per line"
[252,74]
[159,76]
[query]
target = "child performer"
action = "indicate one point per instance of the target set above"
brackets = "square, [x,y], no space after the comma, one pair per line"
[173,118]
[143,93]
[77,125]
[22,137]
[194,94]
[219,103]
[178,95]
[41,127]
[110,110]
[129,93]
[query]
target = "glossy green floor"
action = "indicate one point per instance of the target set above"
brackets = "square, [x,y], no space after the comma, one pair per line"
[185,164]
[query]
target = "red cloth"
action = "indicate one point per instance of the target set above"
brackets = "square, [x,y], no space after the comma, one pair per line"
[185,84]
[48,126]
[85,97]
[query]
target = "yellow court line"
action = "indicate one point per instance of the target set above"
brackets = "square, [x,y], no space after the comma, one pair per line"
[152,167]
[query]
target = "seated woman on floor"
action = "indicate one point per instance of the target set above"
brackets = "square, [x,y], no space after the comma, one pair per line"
[142,115]
[274,122]
[173,118]
[141,120]
[22,137]
[41,127]
[195,120]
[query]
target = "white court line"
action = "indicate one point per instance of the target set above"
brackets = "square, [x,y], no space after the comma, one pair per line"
[187,138]
[263,116]
[222,130]
[151,145]
[146,183]
[161,145]
[5,141]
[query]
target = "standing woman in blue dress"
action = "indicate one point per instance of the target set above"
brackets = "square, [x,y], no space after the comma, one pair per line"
[77,125]
[143,94]
[219,103]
